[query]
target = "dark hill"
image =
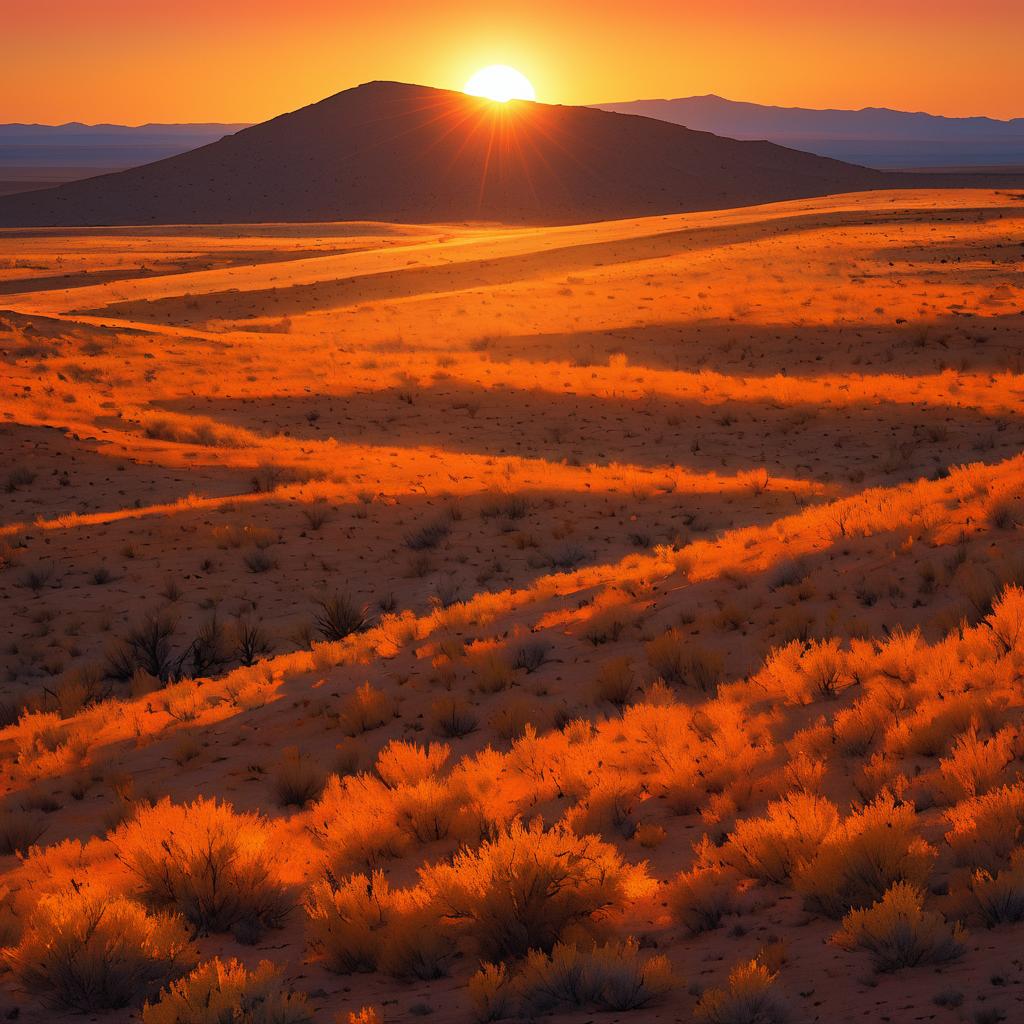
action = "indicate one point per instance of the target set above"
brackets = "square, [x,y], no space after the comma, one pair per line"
[393,152]
[387,151]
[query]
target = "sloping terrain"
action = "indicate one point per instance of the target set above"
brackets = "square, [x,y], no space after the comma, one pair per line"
[392,152]
[667,568]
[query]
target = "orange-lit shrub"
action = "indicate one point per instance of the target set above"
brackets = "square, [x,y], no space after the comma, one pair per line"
[699,899]
[749,998]
[404,764]
[214,866]
[612,977]
[679,660]
[772,848]
[87,950]
[219,992]
[362,924]
[868,852]
[898,932]
[987,830]
[523,889]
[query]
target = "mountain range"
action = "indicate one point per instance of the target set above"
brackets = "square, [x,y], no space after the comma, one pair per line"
[388,151]
[875,136]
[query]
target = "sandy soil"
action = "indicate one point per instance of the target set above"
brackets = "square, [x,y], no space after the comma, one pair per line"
[743,426]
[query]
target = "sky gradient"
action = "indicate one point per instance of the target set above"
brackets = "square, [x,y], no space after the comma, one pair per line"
[133,61]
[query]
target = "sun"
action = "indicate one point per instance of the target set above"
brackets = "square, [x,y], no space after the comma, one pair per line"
[501,83]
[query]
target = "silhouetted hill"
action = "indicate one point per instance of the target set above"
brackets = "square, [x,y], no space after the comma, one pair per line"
[874,136]
[388,151]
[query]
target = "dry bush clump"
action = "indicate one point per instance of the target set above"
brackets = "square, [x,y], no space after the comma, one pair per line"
[682,661]
[986,830]
[453,717]
[362,924]
[339,616]
[219,992]
[868,852]
[214,866]
[404,764]
[88,950]
[999,898]
[700,898]
[748,998]
[615,683]
[357,822]
[364,709]
[19,829]
[607,810]
[774,847]
[297,779]
[898,932]
[977,764]
[610,977]
[523,889]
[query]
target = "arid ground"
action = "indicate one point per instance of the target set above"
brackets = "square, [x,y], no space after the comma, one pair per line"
[520,589]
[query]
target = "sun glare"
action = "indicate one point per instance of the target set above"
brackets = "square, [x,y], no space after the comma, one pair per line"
[501,83]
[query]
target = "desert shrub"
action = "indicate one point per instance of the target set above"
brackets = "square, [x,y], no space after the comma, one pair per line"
[404,764]
[250,642]
[427,810]
[869,851]
[146,646]
[214,866]
[614,683]
[607,977]
[524,888]
[429,536]
[530,656]
[606,810]
[491,673]
[356,822]
[748,998]
[774,847]
[928,730]
[805,672]
[898,932]
[364,709]
[511,506]
[452,717]
[226,993]
[977,765]
[297,779]
[19,829]
[610,977]
[999,898]
[987,830]
[88,951]
[362,924]
[1005,512]
[1006,623]
[339,616]
[699,899]
[684,662]
[492,993]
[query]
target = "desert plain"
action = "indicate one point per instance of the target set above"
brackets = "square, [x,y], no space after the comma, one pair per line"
[388,602]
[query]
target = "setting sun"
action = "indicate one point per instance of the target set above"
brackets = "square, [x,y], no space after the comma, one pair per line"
[501,83]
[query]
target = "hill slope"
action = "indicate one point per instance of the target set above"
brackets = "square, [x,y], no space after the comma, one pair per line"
[875,136]
[388,151]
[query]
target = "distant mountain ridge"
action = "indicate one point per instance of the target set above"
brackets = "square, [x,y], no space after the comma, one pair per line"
[104,146]
[873,136]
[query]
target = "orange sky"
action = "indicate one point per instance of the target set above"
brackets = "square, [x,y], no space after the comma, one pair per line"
[132,61]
